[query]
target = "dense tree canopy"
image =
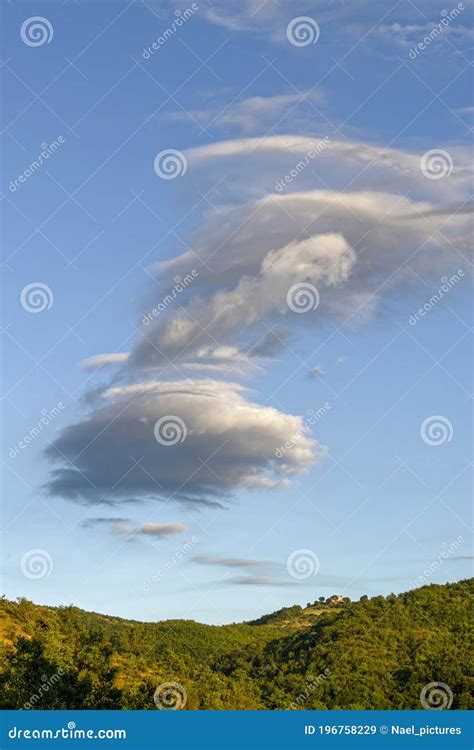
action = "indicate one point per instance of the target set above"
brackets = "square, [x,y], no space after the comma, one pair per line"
[373,654]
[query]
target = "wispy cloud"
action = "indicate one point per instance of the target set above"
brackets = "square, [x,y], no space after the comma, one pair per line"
[97,361]
[228,562]
[258,572]
[258,113]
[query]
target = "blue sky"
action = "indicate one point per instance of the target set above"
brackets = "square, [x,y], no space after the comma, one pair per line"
[317,148]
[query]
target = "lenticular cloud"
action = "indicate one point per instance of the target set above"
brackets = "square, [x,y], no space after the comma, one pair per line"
[211,441]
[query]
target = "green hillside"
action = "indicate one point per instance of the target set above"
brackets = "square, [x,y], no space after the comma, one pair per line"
[376,653]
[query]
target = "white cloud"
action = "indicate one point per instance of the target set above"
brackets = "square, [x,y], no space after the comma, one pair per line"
[344,155]
[324,260]
[355,246]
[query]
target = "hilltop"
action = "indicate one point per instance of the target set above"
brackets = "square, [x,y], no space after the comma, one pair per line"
[375,653]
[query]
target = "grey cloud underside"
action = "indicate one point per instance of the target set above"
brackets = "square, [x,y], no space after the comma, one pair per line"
[103,521]
[230,443]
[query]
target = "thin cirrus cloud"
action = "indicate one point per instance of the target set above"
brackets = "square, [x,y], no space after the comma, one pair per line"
[336,20]
[257,572]
[257,113]
[228,562]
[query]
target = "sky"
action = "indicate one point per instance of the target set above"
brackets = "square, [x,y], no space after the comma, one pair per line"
[237,303]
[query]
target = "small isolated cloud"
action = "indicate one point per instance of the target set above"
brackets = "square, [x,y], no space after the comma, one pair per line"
[103,360]
[161,529]
[124,527]
[227,562]
[317,371]
[256,581]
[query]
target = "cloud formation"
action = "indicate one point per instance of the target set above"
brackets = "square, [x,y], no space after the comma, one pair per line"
[324,260]
[357,248]
[227,562]
[125,527]
[357,23]
[97,361]
[258,572]
[171,426]
[196,441]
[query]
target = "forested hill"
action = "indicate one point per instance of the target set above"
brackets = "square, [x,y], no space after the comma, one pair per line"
[375,653]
